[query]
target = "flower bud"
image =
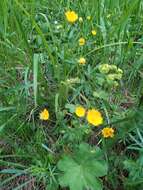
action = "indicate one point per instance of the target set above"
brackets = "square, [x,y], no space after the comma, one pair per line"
[104,68]
[118,76]
[111,77]
[119,71]
[113,67]
[116,84]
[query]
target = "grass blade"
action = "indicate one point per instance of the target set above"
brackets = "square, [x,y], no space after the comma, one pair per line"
[35,76]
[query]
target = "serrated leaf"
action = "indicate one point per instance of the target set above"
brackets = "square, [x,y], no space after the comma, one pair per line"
[82,169]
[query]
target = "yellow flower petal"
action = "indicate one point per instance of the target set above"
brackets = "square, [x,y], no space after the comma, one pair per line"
[93,32]
[94,117]
[82,60]
[71,16]
[80,111]
[81,41]
[108,132]
[44,115]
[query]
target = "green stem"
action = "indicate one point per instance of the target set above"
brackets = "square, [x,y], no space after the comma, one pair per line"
[112,44]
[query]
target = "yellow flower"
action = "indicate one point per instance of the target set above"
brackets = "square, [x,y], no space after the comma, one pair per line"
[80,111]
[71,16]
[108,132]
[94,117]
[82,61]
[93,32]
[88,17]
[44,115]
[80,19]
[81,41]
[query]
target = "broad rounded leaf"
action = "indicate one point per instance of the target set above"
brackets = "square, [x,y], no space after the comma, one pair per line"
[81,171]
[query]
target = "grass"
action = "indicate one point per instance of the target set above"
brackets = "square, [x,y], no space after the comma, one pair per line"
[39,53]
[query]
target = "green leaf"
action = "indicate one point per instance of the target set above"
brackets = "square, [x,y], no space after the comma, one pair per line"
[12,171]
[35,73]
[71,107]
[101,94]
[82,169]
[2,109]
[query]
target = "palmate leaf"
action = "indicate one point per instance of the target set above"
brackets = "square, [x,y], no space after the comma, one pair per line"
[82,169]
